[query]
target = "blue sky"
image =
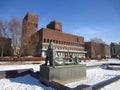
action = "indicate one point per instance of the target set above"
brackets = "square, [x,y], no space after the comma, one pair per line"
[87,18]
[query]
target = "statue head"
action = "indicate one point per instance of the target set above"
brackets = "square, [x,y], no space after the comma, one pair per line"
[50,45]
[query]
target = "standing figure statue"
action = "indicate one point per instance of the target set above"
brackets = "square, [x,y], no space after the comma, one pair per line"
[50,55]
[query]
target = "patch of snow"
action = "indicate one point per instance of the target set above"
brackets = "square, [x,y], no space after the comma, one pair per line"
[35,67]
[112,86]
[26,82]
[2,62]
[29,83]
[92,63]
[95,76]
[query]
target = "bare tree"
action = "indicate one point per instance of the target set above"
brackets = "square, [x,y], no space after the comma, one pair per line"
[96,46]
[15,28]
[99,48]
[97,40]
[3,35]
[96,49]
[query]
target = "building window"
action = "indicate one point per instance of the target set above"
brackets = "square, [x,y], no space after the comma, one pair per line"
[36,25]
[77,39]
[63,43]
[44,40]
[54,41]
[59,42]
[47,40]
[66,43]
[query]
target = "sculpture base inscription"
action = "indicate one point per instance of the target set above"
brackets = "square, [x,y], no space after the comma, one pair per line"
[62,74]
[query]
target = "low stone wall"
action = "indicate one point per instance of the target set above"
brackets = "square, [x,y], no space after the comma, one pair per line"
[97,86]
[111,66]
[15,73]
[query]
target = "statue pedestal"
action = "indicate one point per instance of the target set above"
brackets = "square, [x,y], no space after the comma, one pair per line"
[62,74]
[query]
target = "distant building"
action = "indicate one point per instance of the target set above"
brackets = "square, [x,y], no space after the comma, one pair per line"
[97,50]
[35,42]
[115,50]
[5,46]
[105,50]
[93,49]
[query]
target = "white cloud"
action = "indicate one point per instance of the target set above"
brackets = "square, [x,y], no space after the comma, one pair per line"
[89,31]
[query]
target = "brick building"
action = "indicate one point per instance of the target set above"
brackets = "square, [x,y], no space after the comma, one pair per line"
[105,51]
[29,28]
[5,46]
[97,50]
[115,50]
[35,42]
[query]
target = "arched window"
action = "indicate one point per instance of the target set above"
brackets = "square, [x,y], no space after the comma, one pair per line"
[47,40]
[44,40]
[54,41]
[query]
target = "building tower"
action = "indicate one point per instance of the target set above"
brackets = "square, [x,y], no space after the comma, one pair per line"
[29,28]
[55,25]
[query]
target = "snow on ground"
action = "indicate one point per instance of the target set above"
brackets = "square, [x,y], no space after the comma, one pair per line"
[35,67]
[95,62]
[95,76]
[2,62]
[112,86]
[29,83]
[26,82]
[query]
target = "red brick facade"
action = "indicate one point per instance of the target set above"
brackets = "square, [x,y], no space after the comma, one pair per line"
[97,50]
[105,51]
[37,41]
[5,46]
[55,25]
[63,41]
[29,28]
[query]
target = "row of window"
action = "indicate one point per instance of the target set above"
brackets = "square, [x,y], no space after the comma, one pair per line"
[63,48]
[67,54]
[61,42]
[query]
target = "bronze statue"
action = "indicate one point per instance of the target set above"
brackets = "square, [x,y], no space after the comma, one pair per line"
[50,55]
[57,61]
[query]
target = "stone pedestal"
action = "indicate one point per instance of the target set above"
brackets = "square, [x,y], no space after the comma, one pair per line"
[62,74]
